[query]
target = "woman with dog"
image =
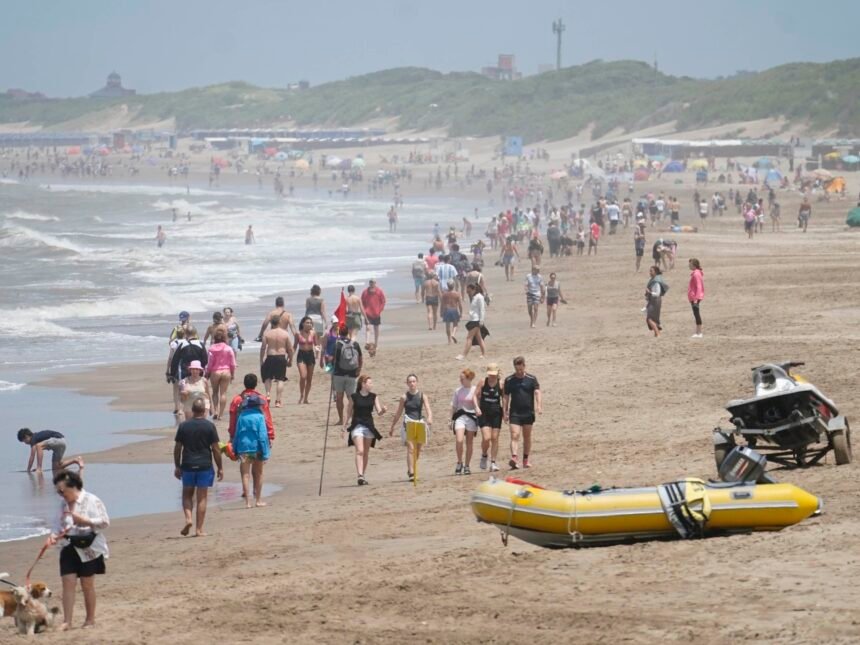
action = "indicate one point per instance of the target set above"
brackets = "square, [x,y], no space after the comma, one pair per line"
[79,527]
[358,424]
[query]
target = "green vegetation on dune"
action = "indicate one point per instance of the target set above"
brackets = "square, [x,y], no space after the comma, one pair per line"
[555,105]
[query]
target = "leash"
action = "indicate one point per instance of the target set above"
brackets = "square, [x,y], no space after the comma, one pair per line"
[44,548]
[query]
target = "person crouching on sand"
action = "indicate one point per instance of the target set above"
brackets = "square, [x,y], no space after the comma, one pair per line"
[358,424]
[252,432]
[196,446]
[413,406]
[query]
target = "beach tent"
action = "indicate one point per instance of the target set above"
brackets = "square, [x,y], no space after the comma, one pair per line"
[301,164]
[358,162]
[333,162]
[640,175]
[73,150]
[853,218]
[851,160]
[270,152]
[674,166]
[773,176]
[699,164]
[640,163]
[833,156]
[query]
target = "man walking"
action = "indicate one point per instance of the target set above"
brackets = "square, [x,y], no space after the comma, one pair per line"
[348,362]
[354,313]
[521,398]
[535,294]
[196,446]
[373,302]
[276,355]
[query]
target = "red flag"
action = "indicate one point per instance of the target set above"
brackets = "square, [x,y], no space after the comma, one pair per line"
[340,312]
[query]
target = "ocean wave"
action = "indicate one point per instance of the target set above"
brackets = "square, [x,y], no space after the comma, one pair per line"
[23,237]
[32,217]
[8,386]
[13,527]
[183,206]
[126,189]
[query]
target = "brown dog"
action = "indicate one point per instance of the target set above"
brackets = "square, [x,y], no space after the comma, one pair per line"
[31,601]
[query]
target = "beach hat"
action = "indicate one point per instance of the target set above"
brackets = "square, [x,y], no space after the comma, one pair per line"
[335,319]
[184,315]
[492,369]
[195,365]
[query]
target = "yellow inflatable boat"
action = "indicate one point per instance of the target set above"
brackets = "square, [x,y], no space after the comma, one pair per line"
[689,508]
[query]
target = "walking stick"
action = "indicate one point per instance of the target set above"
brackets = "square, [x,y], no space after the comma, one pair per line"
[325,440]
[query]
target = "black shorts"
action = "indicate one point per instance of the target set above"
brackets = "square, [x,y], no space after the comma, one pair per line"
[306,356]
[274,368]
[70,564]
[374,321]
[521,419]
[640,252]
[490,419]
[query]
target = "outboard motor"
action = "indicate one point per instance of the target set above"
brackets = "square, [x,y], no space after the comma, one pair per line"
[743,465]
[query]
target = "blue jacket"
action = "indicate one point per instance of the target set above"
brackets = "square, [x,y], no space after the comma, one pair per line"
[251,436]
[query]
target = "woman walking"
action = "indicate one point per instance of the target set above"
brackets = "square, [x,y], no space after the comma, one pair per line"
[475,327]
[234,333]
[220,369]
[194,386]
[414,406]
[465,411]
[696,293]
[307,344]
[553,297]
[315,309]
[654,292]
[452,310]
[490,403]
[358,424]
[79,527]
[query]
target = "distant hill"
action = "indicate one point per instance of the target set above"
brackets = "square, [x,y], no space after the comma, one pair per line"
[555,105]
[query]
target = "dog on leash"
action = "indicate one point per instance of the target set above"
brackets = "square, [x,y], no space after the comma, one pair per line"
[26,605]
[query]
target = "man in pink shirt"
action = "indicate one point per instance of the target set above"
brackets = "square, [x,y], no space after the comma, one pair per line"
[373,301]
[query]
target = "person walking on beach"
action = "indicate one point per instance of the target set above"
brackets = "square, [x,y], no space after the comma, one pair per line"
[639,243]
[452,311]
[508,257]
[465,411]
[50,440]
[354,312]
[392,220]
[315,310]
[252,439]
[373,303]
[358,426]
[654,292]
[348,362]
[414,405]
[594,237]
[696,293]
[285,319]
[217,323]
[553,297]
[535,293]
[234,333]
[249,235]
[419,276]
[445,271]
[307,346]
[195,448]
[490,403]
[276,355]
[749,220]
[194,387]
[220,370]
[804,213]
[79,528]
[188,351]
[475,330]
[520,401]
[432,293]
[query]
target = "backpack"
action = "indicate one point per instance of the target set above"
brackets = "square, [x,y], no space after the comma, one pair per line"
[347,359]
[418,269]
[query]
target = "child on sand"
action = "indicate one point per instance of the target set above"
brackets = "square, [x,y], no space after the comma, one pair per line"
[47,440]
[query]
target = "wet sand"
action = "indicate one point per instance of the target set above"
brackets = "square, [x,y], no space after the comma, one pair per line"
[389,563]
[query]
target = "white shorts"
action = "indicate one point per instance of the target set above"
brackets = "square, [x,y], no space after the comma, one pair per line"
[361,431]
[466,423]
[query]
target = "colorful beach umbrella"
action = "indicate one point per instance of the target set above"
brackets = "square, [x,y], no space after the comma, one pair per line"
[851,159]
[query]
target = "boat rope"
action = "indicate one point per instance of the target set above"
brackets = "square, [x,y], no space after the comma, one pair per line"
[507,530]
[575,535]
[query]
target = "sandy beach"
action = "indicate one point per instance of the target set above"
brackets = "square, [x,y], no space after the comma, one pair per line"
[389,562]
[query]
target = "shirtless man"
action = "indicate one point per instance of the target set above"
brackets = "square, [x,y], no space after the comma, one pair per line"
[276,355]
[286,319]
[160,236]
[432,292]
[354,312]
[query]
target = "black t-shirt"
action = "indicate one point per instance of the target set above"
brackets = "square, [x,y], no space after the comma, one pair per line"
[521,390]
[44,435]
[196,437]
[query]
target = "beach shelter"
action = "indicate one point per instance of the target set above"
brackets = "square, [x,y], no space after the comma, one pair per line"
[699,164]
[358,162]
[640,163]
[301,164]
[640,174]
[833,156]
[270,152]
[674,166]
[773,176]
[853,218]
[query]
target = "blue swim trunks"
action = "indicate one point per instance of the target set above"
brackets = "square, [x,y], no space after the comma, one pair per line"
[198,478]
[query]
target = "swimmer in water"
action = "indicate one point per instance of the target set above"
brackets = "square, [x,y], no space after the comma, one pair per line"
[249,236]
[160,236]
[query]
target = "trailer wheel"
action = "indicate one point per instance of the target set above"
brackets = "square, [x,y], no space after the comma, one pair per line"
[841,442]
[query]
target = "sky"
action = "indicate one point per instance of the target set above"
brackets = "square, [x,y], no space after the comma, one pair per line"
[67,48]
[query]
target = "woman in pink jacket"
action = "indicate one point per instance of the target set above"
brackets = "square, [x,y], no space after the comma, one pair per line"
[696,293]
[220,369]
